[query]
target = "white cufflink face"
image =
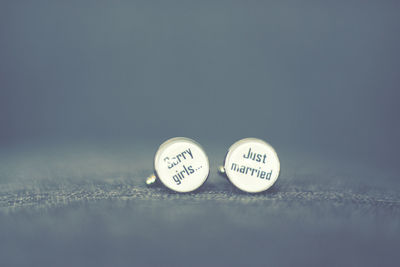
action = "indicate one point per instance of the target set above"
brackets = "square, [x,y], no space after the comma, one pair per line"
[252,165]
[181,164]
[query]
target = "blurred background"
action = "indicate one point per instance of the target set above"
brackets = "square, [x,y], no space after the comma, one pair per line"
[319,80]
[317,76]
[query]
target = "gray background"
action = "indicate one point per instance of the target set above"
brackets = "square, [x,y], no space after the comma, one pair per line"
[89,89]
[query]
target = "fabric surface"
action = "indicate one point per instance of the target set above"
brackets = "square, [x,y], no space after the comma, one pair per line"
[89,206]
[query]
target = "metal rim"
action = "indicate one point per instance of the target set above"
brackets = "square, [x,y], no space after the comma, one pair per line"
[167,142]
[239,142]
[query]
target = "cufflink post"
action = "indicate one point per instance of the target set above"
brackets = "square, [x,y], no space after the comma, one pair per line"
[151,180]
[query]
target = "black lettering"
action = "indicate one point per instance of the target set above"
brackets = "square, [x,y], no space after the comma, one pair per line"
[182,173]
[234,166]
[248,154]
[176,179]
[189,152]
[190,168]
[242,169]
[269,175]
[166,159]
[186,170]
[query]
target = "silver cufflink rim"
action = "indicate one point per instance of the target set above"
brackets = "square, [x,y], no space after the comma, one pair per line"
[155,179]
[222,168]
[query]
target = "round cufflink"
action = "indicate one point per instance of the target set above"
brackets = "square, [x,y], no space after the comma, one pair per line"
[181,165]
[251,165]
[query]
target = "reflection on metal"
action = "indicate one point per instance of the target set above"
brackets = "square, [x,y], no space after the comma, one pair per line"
[221,170]
[151,179]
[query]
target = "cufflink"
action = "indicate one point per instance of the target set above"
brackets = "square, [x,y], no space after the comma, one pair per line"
[251,165]
[180,164]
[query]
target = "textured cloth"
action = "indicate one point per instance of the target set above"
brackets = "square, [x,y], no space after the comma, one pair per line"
[89,206]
